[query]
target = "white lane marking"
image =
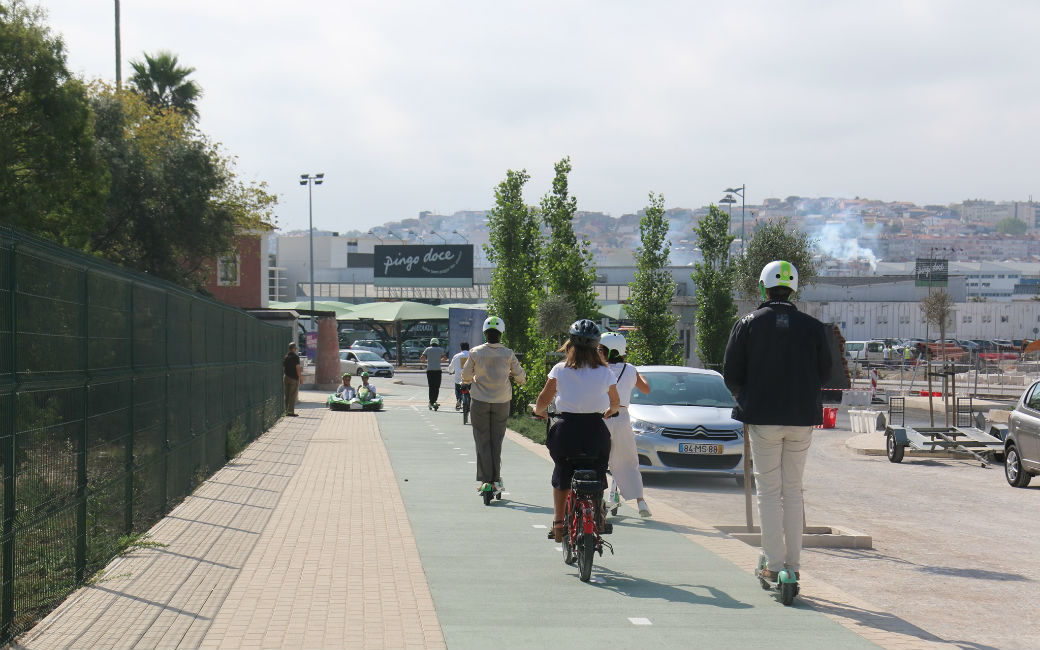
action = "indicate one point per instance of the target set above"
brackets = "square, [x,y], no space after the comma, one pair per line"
[598,580]
[457,448]
[472,462]
[559,548]
[639,621]
[538,526]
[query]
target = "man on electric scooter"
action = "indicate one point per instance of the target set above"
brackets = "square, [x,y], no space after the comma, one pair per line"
[488,370]
[776,363]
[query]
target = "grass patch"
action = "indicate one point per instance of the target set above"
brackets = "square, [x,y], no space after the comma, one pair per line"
[528,427]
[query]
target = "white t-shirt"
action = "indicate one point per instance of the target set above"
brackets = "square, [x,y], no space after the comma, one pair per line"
[457,363]
[582,390]
[626,380]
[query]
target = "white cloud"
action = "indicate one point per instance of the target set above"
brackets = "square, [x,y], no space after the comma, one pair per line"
[409,105]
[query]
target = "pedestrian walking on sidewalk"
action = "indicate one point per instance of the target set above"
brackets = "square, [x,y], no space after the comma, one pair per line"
[455,366]
[776,363]
[433,356]
[624,459]
[488,370]
[292,374]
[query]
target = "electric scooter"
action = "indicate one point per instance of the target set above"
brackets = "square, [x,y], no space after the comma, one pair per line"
[786,582]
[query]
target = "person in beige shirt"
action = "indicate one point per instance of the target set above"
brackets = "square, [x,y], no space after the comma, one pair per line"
[488,371]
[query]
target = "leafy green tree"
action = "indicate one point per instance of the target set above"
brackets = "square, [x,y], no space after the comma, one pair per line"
[174,200]
[713,280]
[51,181]
[652,292]
[775,240]
[165,84]
[512,249]
[568,269]
[1012,226]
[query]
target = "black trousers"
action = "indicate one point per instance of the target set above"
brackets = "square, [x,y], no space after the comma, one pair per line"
[434,379]
[574,436]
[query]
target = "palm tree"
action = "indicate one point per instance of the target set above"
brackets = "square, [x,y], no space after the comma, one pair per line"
[164,84]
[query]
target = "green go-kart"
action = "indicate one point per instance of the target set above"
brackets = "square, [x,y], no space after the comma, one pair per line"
[363,400]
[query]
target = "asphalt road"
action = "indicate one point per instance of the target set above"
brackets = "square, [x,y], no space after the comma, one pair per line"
[955,546]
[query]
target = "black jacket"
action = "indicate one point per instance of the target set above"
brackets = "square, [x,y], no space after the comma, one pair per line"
[777,360]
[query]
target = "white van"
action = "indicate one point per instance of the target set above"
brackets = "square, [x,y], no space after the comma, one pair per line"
[865,351]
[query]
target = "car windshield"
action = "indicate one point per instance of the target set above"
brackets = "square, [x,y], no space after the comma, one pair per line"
[364,355]
[683,389]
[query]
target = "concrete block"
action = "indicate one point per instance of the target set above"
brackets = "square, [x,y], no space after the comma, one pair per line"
[813,537]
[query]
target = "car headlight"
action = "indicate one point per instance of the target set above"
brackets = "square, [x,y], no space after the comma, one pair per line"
[643,427]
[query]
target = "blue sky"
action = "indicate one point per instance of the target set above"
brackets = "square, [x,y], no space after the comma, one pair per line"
[410,106]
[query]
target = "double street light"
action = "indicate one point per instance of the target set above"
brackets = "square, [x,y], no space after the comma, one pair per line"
[739,191]
[310,181]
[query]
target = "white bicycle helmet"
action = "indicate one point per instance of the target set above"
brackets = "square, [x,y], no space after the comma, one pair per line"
[614,341]
[494,323]
[435,342]
[778,273]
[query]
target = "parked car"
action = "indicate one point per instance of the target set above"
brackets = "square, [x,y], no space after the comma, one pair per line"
[685,423]
[372,345]
[1022,444]
[865,351]
[355,362]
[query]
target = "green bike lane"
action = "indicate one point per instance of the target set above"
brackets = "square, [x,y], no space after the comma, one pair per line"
[496,579]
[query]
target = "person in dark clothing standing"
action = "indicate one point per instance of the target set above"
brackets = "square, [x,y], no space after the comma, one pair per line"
[776,363]
[433,356]
[291,376]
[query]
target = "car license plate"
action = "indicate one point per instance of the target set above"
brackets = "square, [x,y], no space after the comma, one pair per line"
[693,448]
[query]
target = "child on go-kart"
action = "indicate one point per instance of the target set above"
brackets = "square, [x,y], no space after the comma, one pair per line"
[345,390]
[365,384]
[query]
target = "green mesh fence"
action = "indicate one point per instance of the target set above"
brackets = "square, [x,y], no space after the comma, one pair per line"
[119,395]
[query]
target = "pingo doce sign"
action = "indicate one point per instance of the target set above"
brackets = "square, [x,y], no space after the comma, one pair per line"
[447,265]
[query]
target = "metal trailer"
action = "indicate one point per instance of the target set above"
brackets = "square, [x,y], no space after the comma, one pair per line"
[965,439]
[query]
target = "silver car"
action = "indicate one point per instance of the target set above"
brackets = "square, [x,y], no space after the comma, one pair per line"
[1022,444]
[355,362]
[685,423]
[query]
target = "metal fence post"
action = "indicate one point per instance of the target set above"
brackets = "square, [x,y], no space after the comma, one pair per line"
[81,444]
[9,450]
[128,461]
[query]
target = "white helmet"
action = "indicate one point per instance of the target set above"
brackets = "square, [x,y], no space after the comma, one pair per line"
[614,341]
[778,273]
[494,323]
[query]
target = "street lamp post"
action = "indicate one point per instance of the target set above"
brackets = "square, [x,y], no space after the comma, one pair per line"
[739,192]
[310,181]
[464,238]
[372,232]
[443,240]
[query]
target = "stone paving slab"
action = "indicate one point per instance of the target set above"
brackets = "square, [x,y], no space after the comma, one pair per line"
[300,542]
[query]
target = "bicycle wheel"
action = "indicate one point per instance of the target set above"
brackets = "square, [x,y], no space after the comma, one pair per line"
[586,549]
[465,409]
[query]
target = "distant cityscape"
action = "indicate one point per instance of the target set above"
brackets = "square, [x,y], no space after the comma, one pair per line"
[852,235]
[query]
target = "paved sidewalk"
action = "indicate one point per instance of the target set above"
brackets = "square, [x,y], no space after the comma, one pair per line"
[361,530]
[300,542]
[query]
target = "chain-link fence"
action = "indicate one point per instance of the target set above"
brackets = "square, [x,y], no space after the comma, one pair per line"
[119,394]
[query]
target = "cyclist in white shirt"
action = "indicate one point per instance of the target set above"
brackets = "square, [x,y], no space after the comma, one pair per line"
[624,460]
[585,394]
[455,368]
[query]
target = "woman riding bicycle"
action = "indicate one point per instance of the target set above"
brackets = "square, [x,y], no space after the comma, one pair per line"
[585,393]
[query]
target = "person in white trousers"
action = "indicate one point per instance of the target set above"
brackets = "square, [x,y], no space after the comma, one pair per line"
[627,483]
[776,363]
